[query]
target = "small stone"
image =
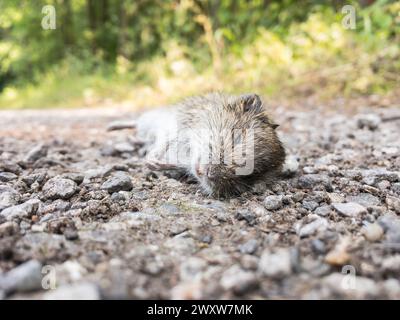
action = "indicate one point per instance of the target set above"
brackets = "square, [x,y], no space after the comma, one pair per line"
[222,216]
[189,290]
[298,196]
[370,121]
[10,167]
[7,176]
[319,224]
[25,277]
[309,181]
[396,188]
[121,196]
[372,232]
[77,177]
[249,247]
[118,182]
[338,256]
[309,170]
[57,205]
[371,189]
[350,209]
[335,197]
[392,288]
[238,280]
[247,215]
[364,199]
[373,176]
[273,202]
[169,208]
[176,229]
[181,246]
[323,211]
[318,246]
[80,291]
[8,229]
[8,197]
[71,234]
[383,185]
[249,262]
[38,177]
[39,151]
[391,226]
[276,264]
[191,268]
[310,205]
[59,188]
[208,238]
[20,211]
[393,203]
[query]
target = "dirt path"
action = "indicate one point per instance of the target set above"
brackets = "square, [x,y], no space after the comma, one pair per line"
[79,201]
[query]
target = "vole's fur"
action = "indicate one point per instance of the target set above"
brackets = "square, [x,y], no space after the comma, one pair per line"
[234,133]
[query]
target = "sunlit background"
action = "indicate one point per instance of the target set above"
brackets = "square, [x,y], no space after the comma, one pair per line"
[152,52]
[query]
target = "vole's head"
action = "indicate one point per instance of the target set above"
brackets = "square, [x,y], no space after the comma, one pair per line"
[235,146]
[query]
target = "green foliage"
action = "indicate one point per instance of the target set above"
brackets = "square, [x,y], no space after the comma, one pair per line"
[163,49]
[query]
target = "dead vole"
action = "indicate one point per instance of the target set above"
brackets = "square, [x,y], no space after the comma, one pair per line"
[226,142]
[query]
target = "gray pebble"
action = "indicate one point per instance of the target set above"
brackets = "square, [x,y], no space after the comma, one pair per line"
[59,188]
[36,153]
[323,211]
[310,205]
[396,188]
[364,199]
[391,226]
[238,280]
[77,177]
[273,202]
[309,181]
[7,176]
[8,197]
[350,209]
[249,216]
[25,277]
[276,264]
[169,208]
[393,203]
[20,211]
[320,224]
[249,247]
[118,182]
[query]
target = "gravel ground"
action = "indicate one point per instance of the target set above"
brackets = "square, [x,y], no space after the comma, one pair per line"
[79,211]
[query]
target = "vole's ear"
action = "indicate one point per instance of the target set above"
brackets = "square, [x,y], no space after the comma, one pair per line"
[251,102]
